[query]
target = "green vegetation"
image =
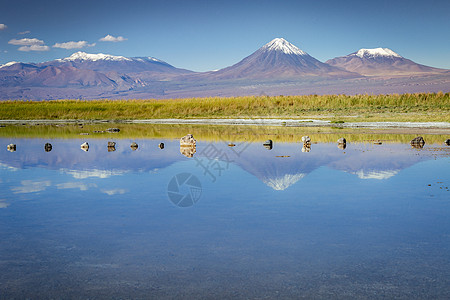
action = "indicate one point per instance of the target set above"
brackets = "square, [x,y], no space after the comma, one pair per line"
[342,108]
[220,133]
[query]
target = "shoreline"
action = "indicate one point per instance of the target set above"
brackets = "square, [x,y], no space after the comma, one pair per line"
[248,122]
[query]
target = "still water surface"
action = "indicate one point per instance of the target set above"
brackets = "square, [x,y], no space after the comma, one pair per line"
[369,221]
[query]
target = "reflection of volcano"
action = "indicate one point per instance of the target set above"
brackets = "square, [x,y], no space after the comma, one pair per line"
[282,183]
[280,168]
[376,174]
[278,172]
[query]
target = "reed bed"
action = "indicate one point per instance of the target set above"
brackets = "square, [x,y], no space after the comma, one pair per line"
[393,107]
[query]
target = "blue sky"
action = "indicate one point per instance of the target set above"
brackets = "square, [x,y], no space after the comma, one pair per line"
[209,35]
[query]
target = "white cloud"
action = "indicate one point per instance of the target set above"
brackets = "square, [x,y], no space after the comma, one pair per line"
[26,42]
[110,38]
[3,26]
[75,185]
[113,192]
[29,186]
[34,48]
[24,32]
[73,45]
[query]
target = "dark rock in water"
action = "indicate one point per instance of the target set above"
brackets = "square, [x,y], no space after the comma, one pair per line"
[306,139]
[161,145]
[114,130]
[377,142]
[188,151]
[306,148]
[85,146]
[188,141]
[48,147]
[417,142]
[231,145]
[134,146]
[268,144]
[447,142]
[11,147]
[342,141]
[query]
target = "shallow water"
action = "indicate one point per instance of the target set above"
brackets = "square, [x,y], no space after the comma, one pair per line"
[369,221]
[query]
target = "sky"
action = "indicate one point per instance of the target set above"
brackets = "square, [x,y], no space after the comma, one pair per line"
[209,35]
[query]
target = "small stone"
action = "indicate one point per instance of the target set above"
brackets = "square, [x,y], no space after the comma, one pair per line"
[447,142]
[111,144]
[85,146]
[377,142]
[268,144]
[188,140]
[306,148]
[342,141]
[306,139]
[48,147]
[231,145]
[11,147]
[417,142]
[134,146]
[161,145]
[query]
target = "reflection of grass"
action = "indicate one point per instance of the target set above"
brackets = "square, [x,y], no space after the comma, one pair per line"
[216,133]
[404,107]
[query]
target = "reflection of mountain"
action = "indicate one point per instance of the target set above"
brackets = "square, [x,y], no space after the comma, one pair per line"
[282,183]
[67,156]
[279,168]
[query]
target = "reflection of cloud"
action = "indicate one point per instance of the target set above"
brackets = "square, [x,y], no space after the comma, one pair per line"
[114,192]
[29,186]
[376,174]
[3,204]
[92,173]
[282,183]
[9,168]
[75,185]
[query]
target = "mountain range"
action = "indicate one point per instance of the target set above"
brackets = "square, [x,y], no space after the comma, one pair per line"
[278,67]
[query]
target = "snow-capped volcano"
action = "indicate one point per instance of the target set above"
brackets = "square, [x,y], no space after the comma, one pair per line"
[376,52]
[278,59]
[94,57]
[380,62]
[280,44]
[112,63]
[8,64]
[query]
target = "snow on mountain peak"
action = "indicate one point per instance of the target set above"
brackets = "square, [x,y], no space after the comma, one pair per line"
[9,64]
[376,52]
[280,44]
[95,57]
